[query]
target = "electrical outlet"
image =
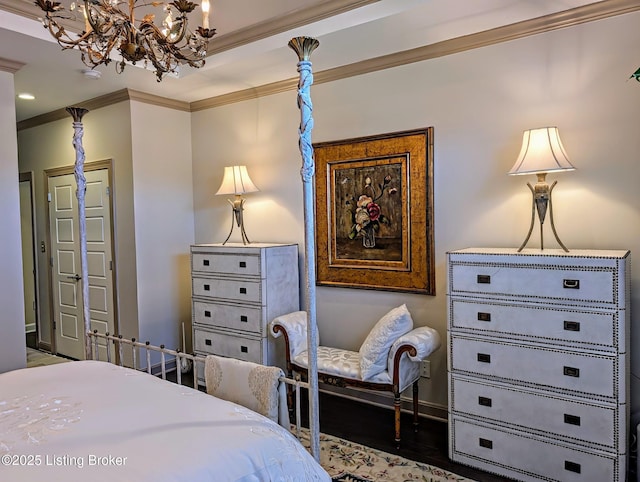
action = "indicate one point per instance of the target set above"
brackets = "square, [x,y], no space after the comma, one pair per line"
[425,369]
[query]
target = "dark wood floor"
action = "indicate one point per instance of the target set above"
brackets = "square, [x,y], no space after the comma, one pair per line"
[373,426]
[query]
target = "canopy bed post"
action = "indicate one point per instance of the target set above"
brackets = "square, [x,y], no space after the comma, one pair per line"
[77,113]
[304,46]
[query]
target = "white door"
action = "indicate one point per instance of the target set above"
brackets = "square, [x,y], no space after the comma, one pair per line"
[65,262]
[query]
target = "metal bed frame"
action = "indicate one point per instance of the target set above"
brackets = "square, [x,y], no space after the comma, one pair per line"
[303,47]
[135,347]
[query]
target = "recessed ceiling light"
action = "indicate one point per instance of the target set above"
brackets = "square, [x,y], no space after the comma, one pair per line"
[26,96]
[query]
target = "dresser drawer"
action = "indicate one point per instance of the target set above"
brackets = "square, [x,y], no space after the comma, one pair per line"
[545,367]
[553,324]
[232,264]
[572,419]
[530,458]
[234,346]
[536,282]
[239,290]
[243,318]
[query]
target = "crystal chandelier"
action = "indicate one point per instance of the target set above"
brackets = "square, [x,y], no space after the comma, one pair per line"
[107,27]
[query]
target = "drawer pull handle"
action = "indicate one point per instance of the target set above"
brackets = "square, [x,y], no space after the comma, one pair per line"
[484,316]
[207,314]
[243,264]
[244,349]
[484,401]
[484,279]
[207,342]
[571,419]
[207,288]
[205,262]
[484,357]
[487,444]
[572,372]
[571,466]
[572,325]
[572,284]
[243,291]
[243,318]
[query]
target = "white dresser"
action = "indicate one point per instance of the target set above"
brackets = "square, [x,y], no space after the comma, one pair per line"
[237,290]
[539,363]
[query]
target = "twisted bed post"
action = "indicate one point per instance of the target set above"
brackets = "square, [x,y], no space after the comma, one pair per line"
[78,131]
[304,46]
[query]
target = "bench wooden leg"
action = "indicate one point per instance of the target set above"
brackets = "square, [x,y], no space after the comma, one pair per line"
[415,405]
[290,400]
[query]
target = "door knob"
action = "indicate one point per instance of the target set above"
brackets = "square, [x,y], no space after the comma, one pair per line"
[76,277]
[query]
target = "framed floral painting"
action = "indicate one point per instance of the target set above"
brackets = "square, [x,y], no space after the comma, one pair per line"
[374,212]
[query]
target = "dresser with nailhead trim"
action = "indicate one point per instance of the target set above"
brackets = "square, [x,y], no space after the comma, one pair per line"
[538,362]
[237,290]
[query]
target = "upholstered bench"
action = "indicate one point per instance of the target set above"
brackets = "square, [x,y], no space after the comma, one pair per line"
[388,360]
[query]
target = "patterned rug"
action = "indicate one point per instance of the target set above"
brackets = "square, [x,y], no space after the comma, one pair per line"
[350,462]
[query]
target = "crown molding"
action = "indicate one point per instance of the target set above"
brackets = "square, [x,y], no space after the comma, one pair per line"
[104,101]
[237,38]
[246,94]
[59,114]
[526,28]
[29,9]
[21,7]
[568,18]
[158,100]
[284,23]
[11,66]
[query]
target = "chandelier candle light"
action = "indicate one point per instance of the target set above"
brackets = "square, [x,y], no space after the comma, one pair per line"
[541,152]
[108,27]
[236,181]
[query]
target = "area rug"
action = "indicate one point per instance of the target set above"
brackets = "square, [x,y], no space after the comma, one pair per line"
[350,462]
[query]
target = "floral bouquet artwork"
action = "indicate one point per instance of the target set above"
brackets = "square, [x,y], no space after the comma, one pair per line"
[368,210]
[367,216]
[374,212]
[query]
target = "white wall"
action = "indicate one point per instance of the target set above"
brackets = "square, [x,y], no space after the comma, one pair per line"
[49,146]
[12,342]
[163,202]
[150,147]
[479,102]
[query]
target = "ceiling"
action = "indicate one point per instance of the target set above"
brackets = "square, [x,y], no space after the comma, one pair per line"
[250,49]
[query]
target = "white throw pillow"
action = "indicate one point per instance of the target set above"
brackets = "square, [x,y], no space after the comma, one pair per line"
[374,350]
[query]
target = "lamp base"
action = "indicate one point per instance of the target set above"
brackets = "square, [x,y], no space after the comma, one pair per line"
[237,206]
[541,196]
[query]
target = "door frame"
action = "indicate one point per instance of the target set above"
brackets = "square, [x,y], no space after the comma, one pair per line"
[28,177]
[63,171]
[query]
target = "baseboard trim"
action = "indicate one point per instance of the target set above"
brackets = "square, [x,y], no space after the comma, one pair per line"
[385,400]
[44,346]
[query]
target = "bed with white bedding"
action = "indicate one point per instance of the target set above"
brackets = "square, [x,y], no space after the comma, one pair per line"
[92,420]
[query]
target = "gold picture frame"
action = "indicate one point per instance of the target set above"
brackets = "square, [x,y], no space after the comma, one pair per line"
[374,212]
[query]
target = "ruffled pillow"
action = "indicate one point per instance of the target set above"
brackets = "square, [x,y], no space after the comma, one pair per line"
[374,350]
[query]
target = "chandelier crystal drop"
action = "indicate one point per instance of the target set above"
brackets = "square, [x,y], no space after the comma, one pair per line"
[109,26]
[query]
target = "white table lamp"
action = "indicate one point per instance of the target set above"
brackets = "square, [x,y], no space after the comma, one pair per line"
[237,181]
[541,152]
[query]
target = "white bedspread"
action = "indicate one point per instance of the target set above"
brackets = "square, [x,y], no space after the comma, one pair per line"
[93,421]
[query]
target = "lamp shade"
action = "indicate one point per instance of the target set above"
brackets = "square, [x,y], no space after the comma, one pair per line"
[236,181]
[542,151]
